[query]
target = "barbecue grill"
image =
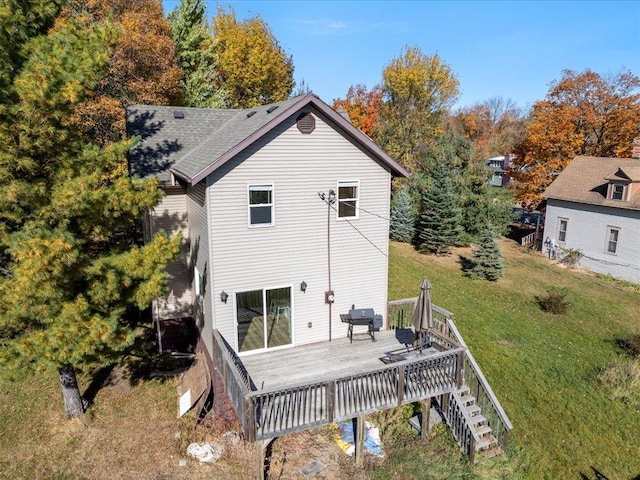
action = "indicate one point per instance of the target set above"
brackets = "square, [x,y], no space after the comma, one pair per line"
[365,317]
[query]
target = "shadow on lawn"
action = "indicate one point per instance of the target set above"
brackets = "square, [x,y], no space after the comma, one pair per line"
[598,475]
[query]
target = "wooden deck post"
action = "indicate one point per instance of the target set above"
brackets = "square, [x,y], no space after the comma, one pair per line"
[424,427]
[259,458]
[359,439]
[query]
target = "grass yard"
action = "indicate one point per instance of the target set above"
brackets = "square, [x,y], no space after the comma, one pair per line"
[543,367]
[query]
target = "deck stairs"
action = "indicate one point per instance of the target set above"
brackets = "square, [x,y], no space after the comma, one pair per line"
[486,442]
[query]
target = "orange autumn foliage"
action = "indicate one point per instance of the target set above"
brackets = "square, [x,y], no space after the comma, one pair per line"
[582,114]
[143,68]
[362,106]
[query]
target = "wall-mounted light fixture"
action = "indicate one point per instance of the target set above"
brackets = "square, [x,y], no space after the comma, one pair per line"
[303,286]
[223,296]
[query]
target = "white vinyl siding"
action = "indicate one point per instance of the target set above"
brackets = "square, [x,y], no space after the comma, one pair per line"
[246,259]
[590,233]
[170,215]
[199,258]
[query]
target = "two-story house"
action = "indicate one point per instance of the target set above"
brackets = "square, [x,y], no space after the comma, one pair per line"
[594,206]
[284,211]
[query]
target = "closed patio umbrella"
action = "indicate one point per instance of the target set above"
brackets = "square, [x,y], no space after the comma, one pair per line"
[423,315]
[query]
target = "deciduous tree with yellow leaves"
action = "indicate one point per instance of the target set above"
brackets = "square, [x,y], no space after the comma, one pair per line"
[253,68]
[418,90]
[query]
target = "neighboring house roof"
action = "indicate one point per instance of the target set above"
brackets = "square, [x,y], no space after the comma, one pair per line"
[585,180]
[202,140]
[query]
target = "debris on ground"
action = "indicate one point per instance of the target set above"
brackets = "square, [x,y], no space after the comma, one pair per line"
[346,435]
[312,468]
[205,452]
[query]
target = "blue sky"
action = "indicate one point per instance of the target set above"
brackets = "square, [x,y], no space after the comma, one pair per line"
[511,49]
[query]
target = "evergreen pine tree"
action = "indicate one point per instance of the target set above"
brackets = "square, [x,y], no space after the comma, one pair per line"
[196,53]
[438,226]
[486,261]
[69,269]
[401,227]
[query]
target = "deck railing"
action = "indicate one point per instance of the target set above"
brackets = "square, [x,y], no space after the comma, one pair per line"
[400,316]
[278,411]
[273,412]
[270,413]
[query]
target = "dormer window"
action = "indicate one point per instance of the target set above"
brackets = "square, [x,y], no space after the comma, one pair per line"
[617,191]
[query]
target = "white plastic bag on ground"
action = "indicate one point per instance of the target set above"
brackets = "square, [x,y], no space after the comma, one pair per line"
[205,452]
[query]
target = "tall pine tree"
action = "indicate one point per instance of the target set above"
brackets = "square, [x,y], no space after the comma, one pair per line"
[197,55]
[401,225]
[438,227]
[68,267]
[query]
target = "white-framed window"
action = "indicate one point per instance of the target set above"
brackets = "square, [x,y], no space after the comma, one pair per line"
[563,223]
[613,234]
[261,212]
[617,191]
[348,198]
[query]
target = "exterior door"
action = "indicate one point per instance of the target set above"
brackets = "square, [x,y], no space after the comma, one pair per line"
[264,318]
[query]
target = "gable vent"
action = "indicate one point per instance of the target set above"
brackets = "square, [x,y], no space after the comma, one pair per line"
[271,109]
[178,114]
[306,122]
[251,113]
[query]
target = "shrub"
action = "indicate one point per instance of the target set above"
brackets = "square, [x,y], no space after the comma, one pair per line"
[631,345]
[571,256]
[555,301]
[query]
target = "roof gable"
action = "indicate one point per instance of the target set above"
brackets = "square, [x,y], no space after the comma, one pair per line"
[628,174]
[213,137]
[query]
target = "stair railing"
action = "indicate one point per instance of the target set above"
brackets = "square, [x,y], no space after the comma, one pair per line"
[461,425]
[479,387]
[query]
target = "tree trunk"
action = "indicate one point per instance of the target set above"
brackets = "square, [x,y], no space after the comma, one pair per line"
[73,403]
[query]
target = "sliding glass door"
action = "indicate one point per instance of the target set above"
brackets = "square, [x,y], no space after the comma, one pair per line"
[263,318]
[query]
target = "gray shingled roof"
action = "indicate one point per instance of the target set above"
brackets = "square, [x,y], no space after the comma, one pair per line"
[164,139]
[584,180]
[204,139]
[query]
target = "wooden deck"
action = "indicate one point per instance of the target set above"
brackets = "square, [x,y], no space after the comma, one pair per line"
[325,360]
[291,389]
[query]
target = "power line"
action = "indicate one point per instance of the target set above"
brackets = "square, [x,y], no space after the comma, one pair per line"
[325,200]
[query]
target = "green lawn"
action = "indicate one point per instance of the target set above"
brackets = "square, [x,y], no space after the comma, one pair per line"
[541,366]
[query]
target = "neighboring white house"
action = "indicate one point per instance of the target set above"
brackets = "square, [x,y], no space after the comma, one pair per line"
[263,247]
[594,206]
[499,168]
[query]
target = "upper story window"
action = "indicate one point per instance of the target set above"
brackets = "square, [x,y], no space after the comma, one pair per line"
[563,223]
[261,205]
[617,191]
[348,198]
